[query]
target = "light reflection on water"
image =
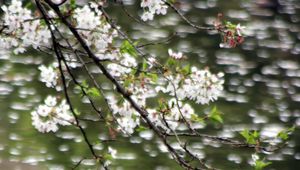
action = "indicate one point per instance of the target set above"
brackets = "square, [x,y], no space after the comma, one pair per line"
[262,86]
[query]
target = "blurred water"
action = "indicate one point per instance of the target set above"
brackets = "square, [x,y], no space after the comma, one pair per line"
[262,91]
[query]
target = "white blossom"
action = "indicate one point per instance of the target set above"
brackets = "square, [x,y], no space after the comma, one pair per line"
[48,116]
[96,32]
[147,16]
[48,75]
[171,120]
[15,15]
[22,30]
[112,152]
[125,66]
[255,157]
[201,86]
[176,56]
[128,118]
[240,29]
[152,7]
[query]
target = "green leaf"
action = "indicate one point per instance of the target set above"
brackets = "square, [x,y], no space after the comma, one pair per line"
[145,65]
[255,134]
[196,118]
[73,4]
[84,84]
[94,92]
[186,69]
[250,137]
[108,157]
[171,62]
[153,77]
[284,134]
[126,47]
[127,82]
[260,165]
[76,111]
[141,128]
[215,115]
[245,134]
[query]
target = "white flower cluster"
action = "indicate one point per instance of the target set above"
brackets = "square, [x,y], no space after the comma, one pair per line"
[48,116]
[49,76]
[92,26]
[152,7]
[176,56]
[171,120]
[124,66]
[201,86]
[128,118]
[21,29]
[141,91]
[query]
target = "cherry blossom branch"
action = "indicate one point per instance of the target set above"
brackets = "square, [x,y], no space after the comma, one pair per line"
[119,88]
[229,141]
[59,58]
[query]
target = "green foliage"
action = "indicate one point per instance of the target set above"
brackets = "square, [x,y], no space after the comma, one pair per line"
[73,4]
[126,47]
[196,118]
[215,115]
[153,77]
[76,111]
[251,137]
[141,128]
[229,25]
[108,157]
[284,134]
[186,69]
[171,62]
[93,92]
[260,165]
[145,65]
[127,82]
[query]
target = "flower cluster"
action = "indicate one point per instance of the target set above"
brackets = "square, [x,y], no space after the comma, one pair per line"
[21,29]
[48,116]
[124,65]
[169,119]
[128,118]
[232,34]
[93,27]
[49,75]
[203,86]
[152,7]
[200,85]
[176,56]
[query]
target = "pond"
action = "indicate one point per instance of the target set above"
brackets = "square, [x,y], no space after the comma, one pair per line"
[262,90]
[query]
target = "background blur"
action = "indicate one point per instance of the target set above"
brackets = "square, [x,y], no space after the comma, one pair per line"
[262,90]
